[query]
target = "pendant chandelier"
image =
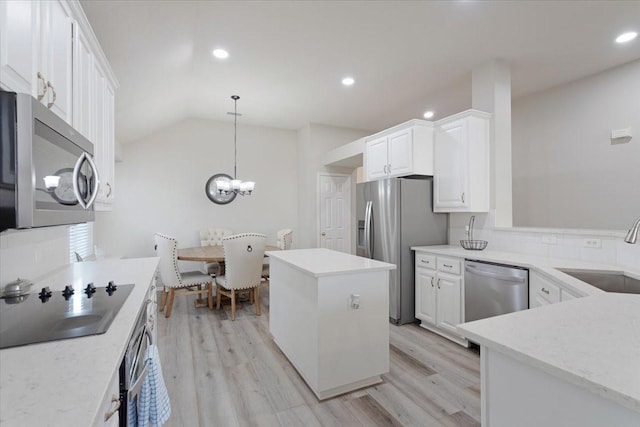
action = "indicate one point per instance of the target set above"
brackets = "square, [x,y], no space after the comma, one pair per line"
[221,188]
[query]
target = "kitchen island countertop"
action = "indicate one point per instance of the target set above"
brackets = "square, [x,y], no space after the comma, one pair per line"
[320,262]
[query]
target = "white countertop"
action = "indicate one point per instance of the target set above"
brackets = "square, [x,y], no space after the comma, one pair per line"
[65,382]
[325,262]
[593,342]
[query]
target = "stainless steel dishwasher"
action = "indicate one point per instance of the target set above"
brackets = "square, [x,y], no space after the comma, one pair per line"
[492,289]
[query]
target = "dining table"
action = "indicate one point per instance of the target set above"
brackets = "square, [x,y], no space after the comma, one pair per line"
[213,253]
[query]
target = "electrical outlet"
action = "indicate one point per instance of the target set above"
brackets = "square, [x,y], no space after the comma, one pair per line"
[354,301]
[592,243]
[550,240]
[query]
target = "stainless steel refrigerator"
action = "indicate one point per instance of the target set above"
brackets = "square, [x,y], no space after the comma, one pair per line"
[396,214]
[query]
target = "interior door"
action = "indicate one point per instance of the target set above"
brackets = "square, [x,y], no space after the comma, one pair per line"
[335,212]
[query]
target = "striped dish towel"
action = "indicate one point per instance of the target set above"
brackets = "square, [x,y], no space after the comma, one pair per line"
[153,403]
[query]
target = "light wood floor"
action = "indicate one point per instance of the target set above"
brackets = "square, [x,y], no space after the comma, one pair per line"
[224,373]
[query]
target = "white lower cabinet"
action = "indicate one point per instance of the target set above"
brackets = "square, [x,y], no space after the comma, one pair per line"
[439,303]
[544,291]
[108,415]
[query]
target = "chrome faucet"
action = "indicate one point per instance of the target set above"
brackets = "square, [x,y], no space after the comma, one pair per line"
[632,235]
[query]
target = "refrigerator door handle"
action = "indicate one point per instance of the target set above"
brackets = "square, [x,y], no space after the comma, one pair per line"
[368,241]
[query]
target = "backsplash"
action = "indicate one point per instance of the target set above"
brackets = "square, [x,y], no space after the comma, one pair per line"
[561,243]
[32,253]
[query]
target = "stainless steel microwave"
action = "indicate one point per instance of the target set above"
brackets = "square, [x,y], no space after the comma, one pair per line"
[47,173]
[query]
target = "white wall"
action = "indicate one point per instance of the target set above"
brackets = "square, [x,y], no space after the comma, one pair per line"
[162,179]
[30,254]
[314,141]
[566,171]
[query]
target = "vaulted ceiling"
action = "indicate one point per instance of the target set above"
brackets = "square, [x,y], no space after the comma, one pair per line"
[287,58]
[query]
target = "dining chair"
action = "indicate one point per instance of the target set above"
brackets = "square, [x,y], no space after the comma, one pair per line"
[178,283]
[213,237]
[284,242]
[243,255]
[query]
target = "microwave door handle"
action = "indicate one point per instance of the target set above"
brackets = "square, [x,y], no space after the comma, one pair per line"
[96,182]
[76,173]
[367,230]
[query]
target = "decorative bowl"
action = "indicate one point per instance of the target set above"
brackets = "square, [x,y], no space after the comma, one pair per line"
[474,245]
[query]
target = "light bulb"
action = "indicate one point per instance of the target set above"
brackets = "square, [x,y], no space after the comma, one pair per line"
[51,181]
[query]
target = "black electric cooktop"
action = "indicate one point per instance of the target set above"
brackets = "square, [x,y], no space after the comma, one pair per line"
[51,316]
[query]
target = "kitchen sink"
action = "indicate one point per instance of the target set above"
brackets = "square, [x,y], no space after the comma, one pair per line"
[609,281]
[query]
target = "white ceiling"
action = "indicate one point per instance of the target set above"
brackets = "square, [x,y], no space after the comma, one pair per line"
[287,58]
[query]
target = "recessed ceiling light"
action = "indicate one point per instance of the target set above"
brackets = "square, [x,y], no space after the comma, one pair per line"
[428,114]
[348,81]
[626,37]
[220,53]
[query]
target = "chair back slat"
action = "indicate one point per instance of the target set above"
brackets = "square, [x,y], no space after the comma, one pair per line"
[214,236]
[285,239]
[167,250]
[243,255]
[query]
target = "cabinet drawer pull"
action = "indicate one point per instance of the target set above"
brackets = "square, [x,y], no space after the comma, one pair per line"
[424,261]
[53,101]
[114,399]
[447,265]
[546,291]
[44,87]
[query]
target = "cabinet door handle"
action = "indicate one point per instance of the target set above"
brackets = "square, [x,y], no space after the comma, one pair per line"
[53,101]
[385,169]
[389,168]
[545,291]
[432,282]
[109,192]
[438,283]
[114,399]
[44,86]
[462,197]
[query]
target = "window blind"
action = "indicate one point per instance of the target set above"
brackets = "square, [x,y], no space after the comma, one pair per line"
[80,240]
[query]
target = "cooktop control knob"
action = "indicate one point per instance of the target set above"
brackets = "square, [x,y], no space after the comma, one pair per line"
[45,294]
[68,292]
[111,288]
[90,290]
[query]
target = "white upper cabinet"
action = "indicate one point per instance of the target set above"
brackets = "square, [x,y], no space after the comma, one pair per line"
[56,53]
[36,52]
[48,50]
[84,87]
[406,149]
[105,140]
[19,43]
[94,103]
[461,163]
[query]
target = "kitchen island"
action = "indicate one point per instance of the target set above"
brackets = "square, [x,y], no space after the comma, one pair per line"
[575,363]
[329,314]
[70,382]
